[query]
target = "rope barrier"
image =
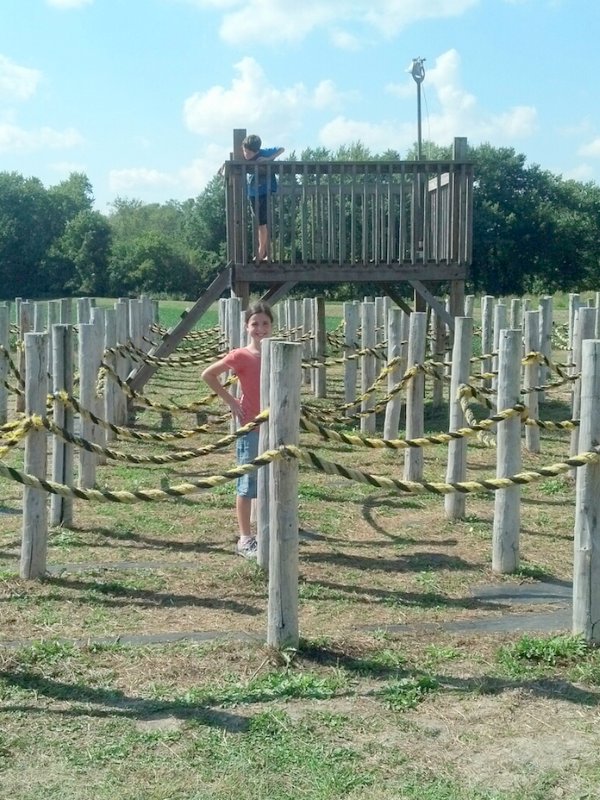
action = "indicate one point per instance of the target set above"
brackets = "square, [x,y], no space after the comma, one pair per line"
[314,461]
[116,455]
[130,433]
[141,495]
[12,366]
[403,444]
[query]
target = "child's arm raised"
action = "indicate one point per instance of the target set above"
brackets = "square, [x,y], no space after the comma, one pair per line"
[273,155]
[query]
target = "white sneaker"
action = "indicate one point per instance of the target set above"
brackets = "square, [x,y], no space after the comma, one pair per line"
[246,549]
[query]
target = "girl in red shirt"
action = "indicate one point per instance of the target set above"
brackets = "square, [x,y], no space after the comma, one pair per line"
[245,363]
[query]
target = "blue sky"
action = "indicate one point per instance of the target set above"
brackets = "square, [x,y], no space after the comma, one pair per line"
[143,95]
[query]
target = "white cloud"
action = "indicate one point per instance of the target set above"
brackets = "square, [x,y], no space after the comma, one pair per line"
[591,149]
[518,122]
[17,82]
[195,176]
[185,182]
[345,41]
[582,127]
[120,180]
[391,16]
[275,21]
[457,113]
[375,136]
[252,102]
[14,139]
[582,173]
[67,4]
[67,167]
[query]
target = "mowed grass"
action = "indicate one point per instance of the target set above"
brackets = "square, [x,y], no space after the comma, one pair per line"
[138,669]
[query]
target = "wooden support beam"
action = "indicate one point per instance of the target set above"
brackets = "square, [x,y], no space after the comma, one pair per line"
[391,292]
[171,339]
[277,292]
[433,302]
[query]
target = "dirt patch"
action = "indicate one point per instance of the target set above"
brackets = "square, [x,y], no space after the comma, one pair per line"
[502,741]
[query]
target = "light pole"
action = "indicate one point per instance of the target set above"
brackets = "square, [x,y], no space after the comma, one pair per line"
[417,70]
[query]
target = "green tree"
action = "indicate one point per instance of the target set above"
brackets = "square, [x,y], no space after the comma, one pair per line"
[152,263]
[83,251]
[531,229]
[204,220]
[26,234]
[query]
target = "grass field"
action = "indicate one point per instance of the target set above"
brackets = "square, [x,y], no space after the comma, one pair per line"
[137,669]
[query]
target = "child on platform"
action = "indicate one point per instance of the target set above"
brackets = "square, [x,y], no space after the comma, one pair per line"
[245,363]
[259,188]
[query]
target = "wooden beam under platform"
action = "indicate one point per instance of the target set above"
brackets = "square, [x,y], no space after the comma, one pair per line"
[433,302]
[140,376]
[277,292]
[392,293]
[320,273]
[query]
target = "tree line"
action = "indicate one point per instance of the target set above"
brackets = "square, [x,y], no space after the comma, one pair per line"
[533,231]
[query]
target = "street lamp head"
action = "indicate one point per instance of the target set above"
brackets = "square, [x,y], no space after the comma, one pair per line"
[417,70]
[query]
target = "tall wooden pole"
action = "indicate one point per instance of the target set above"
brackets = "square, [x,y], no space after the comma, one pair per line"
[286,379]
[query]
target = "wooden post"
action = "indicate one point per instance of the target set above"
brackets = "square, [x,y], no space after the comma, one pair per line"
[262,487]
[456,301]
[40,317]
[415,421]
[98,320]
[380,319]
[307,333]
[454,504]
[532,377]
[34,544]
[25,323]
[320,342]
[53,319]
[66,311]
[237,217]
[545,306]
[439,354]
[351,312]
[284,400]
[89,347]
[469,305]
[84,310]
[524,309]
[234,337]
[487,334]
[394,350]
[122,364]
[290,314]
[5,342]
[147,317]
[499,325]
[585,326]
[61,508]
[368,365]
[514,318]
[223,323]
[111,389]
[507,514]
[586,565]
[135,323]
[574,304]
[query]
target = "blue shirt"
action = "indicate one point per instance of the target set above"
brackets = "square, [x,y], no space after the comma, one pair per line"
[262,188]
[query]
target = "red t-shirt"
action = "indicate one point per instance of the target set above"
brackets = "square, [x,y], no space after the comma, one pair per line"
[246,365]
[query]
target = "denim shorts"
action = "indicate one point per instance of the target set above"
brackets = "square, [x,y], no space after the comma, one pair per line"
[246,449]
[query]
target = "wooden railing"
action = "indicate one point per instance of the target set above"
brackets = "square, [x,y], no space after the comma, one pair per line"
[369,212]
